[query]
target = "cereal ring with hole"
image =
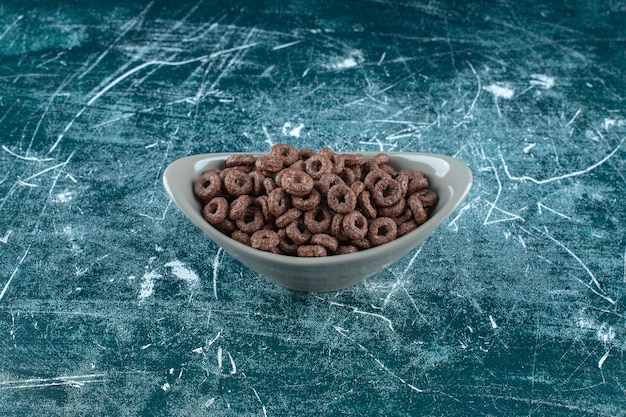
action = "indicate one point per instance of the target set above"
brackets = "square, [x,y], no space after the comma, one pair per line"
[226,226]
[403,181]
[406,227]
[251,221]
[338,163]
[362,243]
[405,216]
[296,183]
[357,187]
[262,201]
[264,239]
[298,232]
[341,199]
[326,181]
[278,201]
[237,182]
[346,249]
[393,211]
[216,210]
[372,178]
[364,201]
[243,159]
[307,202]
[382,230]
[240,237]
[351,159]
[289,217]
[329,242]
[286,153]
[417,182]
[299,165]
[239,206]
[417,208]
[318,165]
[377,160]
[305,153]
[286,244]
[388,169]
[207,186]
[269,185]
[386,192]
[427,196]
[354,225]
[318,219]
[312,251]
[348,175]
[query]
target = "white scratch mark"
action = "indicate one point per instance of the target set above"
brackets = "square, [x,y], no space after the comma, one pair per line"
[560,177]
[286,45]
[217,261]
[494,325]
[603,359]
[181,271]
[25,158]
[542,80]
[233,367]
[289,131]
[500,91]
[478,89]
[11,26]
[573,118]
[6,286]
[493,206]
[219,358]
[147,284]
[529,147]
[541,206]
[389,324]
[5,239]
[75,381]
[256,394]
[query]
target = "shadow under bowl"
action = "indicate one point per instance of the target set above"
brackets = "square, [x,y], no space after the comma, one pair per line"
[449,177]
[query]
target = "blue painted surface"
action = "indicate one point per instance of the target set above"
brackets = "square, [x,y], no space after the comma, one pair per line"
[112,303]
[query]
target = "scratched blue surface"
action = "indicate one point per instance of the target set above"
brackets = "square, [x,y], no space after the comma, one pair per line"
[112,303]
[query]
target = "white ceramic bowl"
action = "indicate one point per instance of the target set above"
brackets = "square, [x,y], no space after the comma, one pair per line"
[449,177]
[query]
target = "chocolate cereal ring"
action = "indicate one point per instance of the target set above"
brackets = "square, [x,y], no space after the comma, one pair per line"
[373,177]
[318,165]
[406,227]
[257,182]
[240,237]
[341,199]
[286,244]
[305,153]
[244,159]
[237,182]
[216,210]
[336,227]
[326,181]
[269,164]
[345,249]
[364,202]
[289,217]
[329,242]
[318,220]
[312,251]
[296,183]
[354,225]
[239,206]
[278,201]
[393,211]
[251,221]
[264,239]
[307,202]
[386,192]
[298,232]
[286,153]
[427,196]
[382,230]
[208,185]
[417,208]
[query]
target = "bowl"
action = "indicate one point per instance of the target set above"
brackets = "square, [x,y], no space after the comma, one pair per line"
[449,177]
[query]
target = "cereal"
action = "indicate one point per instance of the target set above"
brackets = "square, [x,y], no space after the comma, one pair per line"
[382,230]
[304,203]
[265,240]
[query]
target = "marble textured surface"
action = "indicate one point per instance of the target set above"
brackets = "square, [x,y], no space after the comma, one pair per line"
[111,303]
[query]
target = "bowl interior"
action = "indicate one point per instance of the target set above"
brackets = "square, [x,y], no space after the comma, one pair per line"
[449,177]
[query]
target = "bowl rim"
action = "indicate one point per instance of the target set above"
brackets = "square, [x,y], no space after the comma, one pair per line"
[420,233]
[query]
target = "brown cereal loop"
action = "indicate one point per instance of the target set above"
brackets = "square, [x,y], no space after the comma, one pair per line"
[364,202]
[240,237]
[406,227]
[226,226]
[336,227]
[329,242]
[349,175]
[326,181]
[278,201]
[257,182]
[269,184]
[362,243]
[318,219]
[208,185]
[305,153]
[393,211]
[427,196]
[382,230]
[417,208]
[318,165]
[357,187]
[307,202]
[346,249]
[296,183]
[243,159]
[237,182]
[403,181]
[286,244]
[216,210]
[341,199]
[265,240]
[418,182]
[354,225]
[373,177]
[312,251]
[386,192]
[298,232]
[268,164]
[239,206]
[289,217]
[262,202]
[388,169]
[351,160]
[286,153]
[251,221]
[405,216]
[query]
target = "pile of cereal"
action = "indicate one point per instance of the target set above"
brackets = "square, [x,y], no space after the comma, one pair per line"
[303,203]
